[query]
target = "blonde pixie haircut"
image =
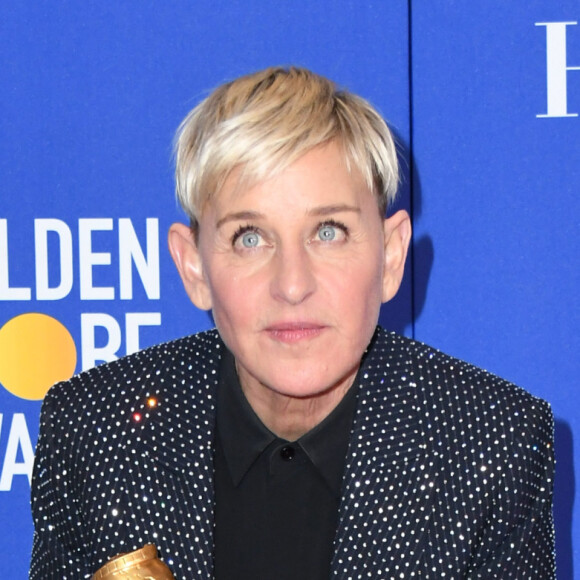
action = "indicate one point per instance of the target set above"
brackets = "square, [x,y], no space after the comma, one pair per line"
[265,121]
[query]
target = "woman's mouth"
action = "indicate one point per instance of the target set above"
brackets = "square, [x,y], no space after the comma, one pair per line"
[291,332]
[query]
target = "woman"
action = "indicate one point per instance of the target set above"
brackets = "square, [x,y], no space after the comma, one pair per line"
[298,440]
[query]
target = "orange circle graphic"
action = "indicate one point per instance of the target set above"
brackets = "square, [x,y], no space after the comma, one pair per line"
[36,351]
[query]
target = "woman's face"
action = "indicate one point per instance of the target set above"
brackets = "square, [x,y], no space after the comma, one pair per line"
[295,269]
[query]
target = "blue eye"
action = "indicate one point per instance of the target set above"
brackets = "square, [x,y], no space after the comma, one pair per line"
[250,240]
[247,237]
[327,233]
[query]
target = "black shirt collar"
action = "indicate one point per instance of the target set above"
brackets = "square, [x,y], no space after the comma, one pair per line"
[244,437]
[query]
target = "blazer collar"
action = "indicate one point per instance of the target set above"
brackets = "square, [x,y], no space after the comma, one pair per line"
[176,437]
[179,429]
[389,473]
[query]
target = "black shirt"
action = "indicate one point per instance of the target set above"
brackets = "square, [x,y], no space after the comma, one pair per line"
[276,501]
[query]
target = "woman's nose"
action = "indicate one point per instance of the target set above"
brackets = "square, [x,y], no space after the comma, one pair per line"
[293,279]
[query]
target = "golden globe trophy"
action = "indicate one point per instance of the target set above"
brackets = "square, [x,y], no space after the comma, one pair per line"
[142,564]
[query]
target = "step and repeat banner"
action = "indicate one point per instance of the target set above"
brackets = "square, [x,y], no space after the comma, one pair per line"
[483,98]
[496,155]
[91,95]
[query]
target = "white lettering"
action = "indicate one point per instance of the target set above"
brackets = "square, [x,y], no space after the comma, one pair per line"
[54,263]
[41,229]
[18,438]
[90,353]
[133,321]
[557,69]
[131,252]
[88,259]
[6,292]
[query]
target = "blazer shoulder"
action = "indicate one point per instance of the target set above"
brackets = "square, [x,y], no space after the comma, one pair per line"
[118,381]
[448,383]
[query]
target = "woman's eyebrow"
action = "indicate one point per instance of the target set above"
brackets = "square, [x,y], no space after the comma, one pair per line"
[332,209]
[239,215]
[320,211]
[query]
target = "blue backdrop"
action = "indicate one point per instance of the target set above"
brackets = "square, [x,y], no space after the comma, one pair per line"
[483,98]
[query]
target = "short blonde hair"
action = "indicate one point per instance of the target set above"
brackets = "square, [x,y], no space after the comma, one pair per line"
[265,121]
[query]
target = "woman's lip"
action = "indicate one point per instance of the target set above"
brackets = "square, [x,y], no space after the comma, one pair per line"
[294,325]
[294,331]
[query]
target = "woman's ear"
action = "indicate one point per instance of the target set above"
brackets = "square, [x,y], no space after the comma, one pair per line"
[397,232]
[185,253]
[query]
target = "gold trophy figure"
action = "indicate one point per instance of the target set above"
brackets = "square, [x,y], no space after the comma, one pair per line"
[142,564]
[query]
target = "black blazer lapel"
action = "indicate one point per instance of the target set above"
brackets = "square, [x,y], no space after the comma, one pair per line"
[389,476]
[172,475]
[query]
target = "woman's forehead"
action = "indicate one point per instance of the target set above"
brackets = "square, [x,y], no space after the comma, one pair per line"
[322,174]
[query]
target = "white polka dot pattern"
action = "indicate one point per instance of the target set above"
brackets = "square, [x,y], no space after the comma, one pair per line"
[448,475]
